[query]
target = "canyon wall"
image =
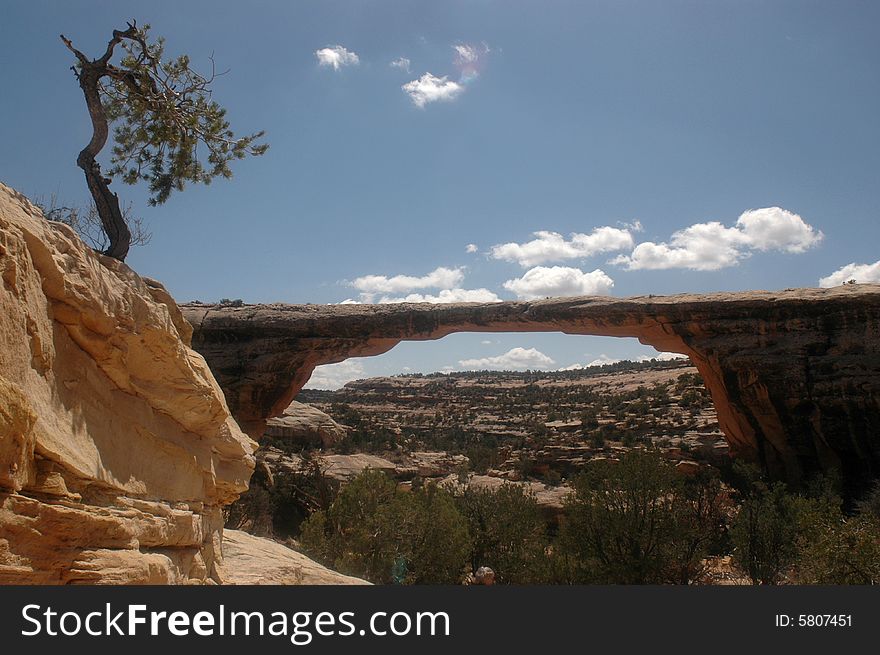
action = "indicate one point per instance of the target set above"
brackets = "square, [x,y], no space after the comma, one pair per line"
[117,448]
[794,375]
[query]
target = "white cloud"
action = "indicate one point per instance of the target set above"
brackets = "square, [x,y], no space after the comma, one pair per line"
[701,247]
[447,280]
[447,296]
[349,301]
[334,376]
[774,228]
[515,358]
[712,246]
[601,360]
[486,342]
[662,356]
[605,360]
[401,63]
[864,273]
[552,246]
[466,54]
[543,281]
[429,88]
[471,247]
[439,278]
[337,57]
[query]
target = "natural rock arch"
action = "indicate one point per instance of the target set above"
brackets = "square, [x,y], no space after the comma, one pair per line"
[794,375]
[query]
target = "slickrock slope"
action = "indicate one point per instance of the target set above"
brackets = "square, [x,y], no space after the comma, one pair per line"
[794,375]
[249,560]
[117,449]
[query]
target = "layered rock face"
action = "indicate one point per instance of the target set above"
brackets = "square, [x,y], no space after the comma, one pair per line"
[794,375]
[117,448]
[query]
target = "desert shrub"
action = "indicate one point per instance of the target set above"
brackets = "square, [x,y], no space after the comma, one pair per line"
[806,537]
[637,521]
[376,531]
[254,510]
[765,532]
[508,532]
[482,457]
[437,537]
[841,551]
[276,505]
[834,548]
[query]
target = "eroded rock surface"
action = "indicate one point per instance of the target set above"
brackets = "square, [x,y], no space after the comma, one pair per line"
[117,448]
[249,560]
[305,425]
[794,375]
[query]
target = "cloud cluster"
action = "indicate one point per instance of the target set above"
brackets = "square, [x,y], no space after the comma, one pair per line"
[447,280]
[542,281]
[712,246]
[439,278]
[430,88]
[514,359]
[336,57]
[334,376]
[863,273]
[552,246]
[702,247]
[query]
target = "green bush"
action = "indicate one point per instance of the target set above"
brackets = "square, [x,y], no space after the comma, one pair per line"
[844,551]
[508,532]
[637,521]
[378,532]
[766,530]
[839,549]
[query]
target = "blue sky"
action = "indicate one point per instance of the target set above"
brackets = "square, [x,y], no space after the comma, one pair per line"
[687,146]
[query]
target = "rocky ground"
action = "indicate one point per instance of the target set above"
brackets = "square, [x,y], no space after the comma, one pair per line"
[533,425]
[536,429]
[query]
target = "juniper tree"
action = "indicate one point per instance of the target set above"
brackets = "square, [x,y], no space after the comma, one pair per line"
[167,129]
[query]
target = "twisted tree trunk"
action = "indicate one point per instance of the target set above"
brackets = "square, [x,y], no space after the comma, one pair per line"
[106,202]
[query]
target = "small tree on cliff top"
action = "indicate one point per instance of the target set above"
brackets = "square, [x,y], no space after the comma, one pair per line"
[168,129]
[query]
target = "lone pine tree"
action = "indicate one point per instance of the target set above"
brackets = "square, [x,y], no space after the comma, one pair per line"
[167,129]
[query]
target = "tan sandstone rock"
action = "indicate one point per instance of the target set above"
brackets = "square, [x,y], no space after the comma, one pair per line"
[306,425]
[250,560]
[117,448]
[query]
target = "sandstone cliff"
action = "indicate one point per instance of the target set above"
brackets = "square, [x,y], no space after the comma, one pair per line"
[794,375]
[117,449]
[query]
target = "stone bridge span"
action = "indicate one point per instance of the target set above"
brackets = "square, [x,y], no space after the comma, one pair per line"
[794,375]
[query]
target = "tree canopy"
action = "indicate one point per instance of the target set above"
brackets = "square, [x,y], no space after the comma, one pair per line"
[168,130]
